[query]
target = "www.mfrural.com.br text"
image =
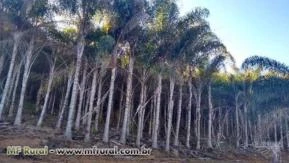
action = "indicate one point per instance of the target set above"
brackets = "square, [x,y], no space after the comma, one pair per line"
[94,150]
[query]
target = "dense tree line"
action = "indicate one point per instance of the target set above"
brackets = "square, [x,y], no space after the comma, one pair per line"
[136,68]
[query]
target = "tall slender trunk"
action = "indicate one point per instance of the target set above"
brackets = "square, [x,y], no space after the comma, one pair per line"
[259,135]
[2,59]
[65,102]
[210,115]
[250,130]
[8,101]
[198,116]
[246,143]
[12,107]
[139,123]
[219,134]
[81,93]
[39,96]
[151,118]
[268,133]
[91,100]
[179,113]
[286,131]
[170,112]
[100,117]
[120,108]
[16,38]
[52,104]
[99,101]
[227,124]
[157,113]
[26,73]
[129,119]
[189,115]
[232,126]
[154,108]
[128,101]
[281,132]
[68,130]
[237,123]
[109,107]
[51,74]
[85,111]
[275,128]
[141,109]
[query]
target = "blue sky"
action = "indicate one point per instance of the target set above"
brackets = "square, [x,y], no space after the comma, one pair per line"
[248,27]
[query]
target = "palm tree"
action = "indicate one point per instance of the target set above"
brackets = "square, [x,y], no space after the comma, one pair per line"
[24,22]
[265,64]
[100,44]
[259,63]
[49,85]
[135,20]
[16,35]
[214,66]
[127,23]
[199,44]
[83,11]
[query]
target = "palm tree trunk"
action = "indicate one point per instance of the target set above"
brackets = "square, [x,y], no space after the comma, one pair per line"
[109,107]
[170,113]
[259,132]
[154,108]
[157,113]
[120,108]
[39,96]
[65,102]
[139,124]
[141,109]
[246,126]
[129,119]
[80,48]
[286,131]
[26,73]
[16,38]
[91,100]
[189,115]
[210,115]
[51,74]
[237,123]
[12,107]
[52,104]
[151,118]
[81,93]
[227,125]
[250,130]
[281,133]
[128,101]
[219,134]
[275,128]
[198,116]
[176,141]
[84,118]
[98,102]
[268,133]
[2,59]
[8,101]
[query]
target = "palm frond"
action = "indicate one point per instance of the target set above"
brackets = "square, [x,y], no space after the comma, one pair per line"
[265,64]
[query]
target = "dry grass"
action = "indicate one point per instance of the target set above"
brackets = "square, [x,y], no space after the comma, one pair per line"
[35,137]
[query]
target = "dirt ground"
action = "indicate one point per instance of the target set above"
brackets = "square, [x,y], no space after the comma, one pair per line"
[35,137]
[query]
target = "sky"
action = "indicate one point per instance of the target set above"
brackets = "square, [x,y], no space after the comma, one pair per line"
[248,27]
